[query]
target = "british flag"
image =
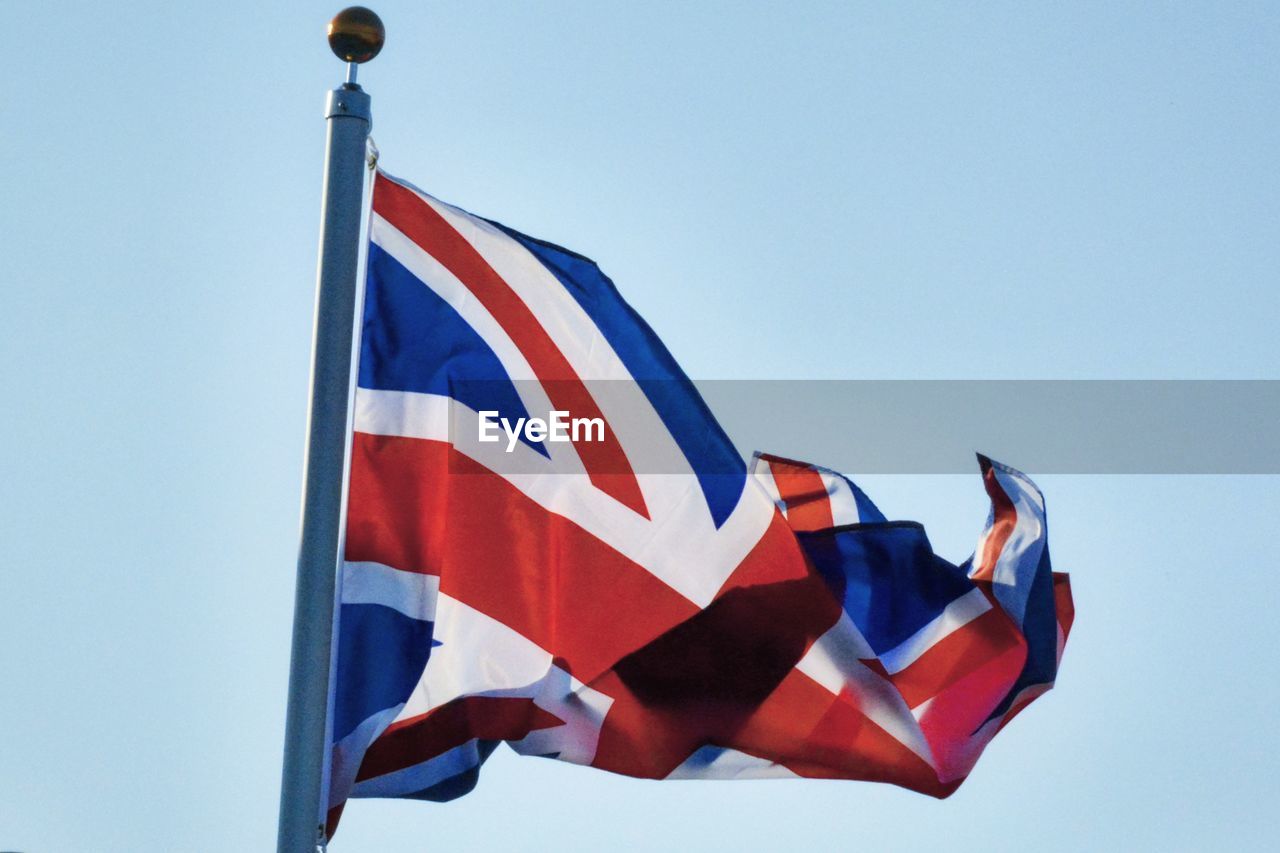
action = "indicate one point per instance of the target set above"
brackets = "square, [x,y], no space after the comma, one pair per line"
[703,617]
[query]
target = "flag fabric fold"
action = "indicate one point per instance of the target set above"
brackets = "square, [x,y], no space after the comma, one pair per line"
[638,599]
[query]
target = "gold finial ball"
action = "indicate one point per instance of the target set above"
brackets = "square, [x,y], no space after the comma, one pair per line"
[356,34]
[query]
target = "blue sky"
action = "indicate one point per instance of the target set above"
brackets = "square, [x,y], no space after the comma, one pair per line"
[808,190]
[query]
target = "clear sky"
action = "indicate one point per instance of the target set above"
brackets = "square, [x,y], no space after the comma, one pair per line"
[799,190]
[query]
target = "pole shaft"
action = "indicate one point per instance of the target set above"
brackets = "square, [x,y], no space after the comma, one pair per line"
[306,749]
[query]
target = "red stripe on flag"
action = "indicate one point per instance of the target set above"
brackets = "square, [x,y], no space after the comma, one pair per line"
[332,819]
[605,461]
[1063,604]
[421,506]
[777,558]
[805,494]
[1004,519]
[965,650]
[965,702]
[701,681]
[803,727]
[422,738]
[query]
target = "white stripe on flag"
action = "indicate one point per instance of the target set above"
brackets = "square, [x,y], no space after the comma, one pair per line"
[844,507]
[835,661]
[419,777]
[1015,570]
[763,475]
[713,762]
[480,656]
[410,593]
[960,612]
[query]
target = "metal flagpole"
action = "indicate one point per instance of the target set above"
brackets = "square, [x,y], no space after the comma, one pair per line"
[356,35]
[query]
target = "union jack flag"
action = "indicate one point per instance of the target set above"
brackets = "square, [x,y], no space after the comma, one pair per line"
[702,618]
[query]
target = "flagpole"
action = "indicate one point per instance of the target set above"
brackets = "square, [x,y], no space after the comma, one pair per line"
[355,35]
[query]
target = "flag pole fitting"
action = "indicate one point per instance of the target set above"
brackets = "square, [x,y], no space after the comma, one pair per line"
[356,35]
